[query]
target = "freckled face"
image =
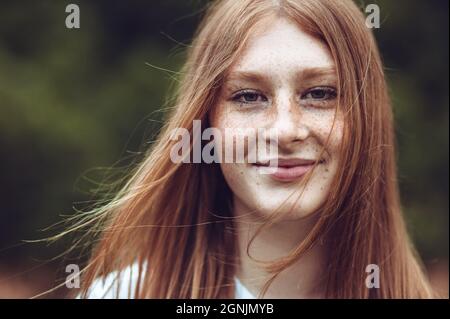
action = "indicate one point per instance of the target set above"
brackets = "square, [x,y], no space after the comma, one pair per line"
[284,81]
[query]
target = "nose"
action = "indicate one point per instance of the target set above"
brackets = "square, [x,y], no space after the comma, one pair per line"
[287,124]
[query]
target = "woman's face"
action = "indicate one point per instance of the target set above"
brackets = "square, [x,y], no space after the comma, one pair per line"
[285,81]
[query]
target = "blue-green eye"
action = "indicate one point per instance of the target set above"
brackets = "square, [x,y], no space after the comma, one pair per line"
[249,96]
[320,94]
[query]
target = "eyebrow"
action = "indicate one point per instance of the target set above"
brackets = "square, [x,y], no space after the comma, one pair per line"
[303,75]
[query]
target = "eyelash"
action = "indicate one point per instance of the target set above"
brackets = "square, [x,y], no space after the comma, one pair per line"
[329,92]
[326,89]
[236,97]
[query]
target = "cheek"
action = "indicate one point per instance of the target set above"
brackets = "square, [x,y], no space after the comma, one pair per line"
[327,126]
[235,128]
[225,117]
[234,175]
[241,183]
[336,137]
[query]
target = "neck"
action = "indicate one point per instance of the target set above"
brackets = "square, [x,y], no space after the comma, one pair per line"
[300,280]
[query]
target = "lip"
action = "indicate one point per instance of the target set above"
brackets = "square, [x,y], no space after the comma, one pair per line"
[286,170]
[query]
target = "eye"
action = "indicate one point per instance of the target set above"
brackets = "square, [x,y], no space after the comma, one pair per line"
[248,97]
[320,94]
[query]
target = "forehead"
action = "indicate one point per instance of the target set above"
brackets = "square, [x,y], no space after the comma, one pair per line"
[282,47]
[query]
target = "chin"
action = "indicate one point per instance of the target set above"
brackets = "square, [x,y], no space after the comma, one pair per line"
[285,208]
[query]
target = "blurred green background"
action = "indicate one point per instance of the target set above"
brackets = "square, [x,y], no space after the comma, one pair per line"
[74,101]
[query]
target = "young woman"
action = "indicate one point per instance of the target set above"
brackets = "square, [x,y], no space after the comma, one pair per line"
[314,227]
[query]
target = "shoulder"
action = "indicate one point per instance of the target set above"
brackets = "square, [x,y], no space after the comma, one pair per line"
[115,285]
